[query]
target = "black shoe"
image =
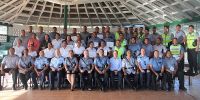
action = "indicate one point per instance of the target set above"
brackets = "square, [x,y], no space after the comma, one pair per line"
[35,87]
[14,88]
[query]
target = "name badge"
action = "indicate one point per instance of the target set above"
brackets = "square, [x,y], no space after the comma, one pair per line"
[171,68]
[92,54]
[110,44]
[100,36]
[74,38]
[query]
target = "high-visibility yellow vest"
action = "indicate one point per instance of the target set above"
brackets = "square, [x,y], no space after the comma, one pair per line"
[190,39]
[141,37]
[166,39]
[124,43]
[116,35]
[175,49]
[120,51]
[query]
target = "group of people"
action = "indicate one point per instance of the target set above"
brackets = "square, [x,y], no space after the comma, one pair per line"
[102,59]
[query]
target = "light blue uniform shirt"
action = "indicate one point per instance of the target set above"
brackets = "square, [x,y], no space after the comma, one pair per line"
[40,62]
[129,65]
[148,49]
[25,62]
[179,35]
[135,49]
[157,63]
[143,61]
[100,62]
[71,63]
[115,64]
[57,62]
[85,63]
[170,62]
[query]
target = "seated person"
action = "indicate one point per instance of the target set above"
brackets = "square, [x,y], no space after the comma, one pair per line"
[157,69]
[101,63]
[9,65]
[71,65]
[41,67]
[86,67]
[144,72]
[129,70]
[56,68]
[115,70]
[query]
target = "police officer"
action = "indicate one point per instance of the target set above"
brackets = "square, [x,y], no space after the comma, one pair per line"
[192,54]
[86,68]
[25,70]
[101,66]
[177,51]
[157,69]
[129,70]
[134,47]
[56,66]
[148,48]
[144,71]
[71,65]
[120,49]
[170,69]
[9,65]
[115,70]
[41,66]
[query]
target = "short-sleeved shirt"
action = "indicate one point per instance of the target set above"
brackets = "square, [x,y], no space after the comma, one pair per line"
[148,49]
[129,65]
[33,54]
[78,50]
[92,52]
[157,63]
[41,36]
[105,49]
[170,63]
[49,53]
[57,43]
[24,41]
[10,61]
[101,62]
[135,49]
[64,51]
[85,63]
[161,49]
[40,62]
[180,35]
[143,61]
[25,62]
[115,64]
[71,63]
[19,50]
[57,62]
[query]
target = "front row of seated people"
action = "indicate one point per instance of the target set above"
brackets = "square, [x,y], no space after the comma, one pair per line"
[140,72]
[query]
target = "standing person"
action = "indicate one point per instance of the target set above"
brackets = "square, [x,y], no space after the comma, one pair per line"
[167,37]
[71,65]
[120,49]
[25,67]
[115,70]
[86,68]
[41,34]
[101,64]
[52,35]
[9,65]
[161,48]
[148,48]
[178,53]
[85,34]
[180,35]
[191,50]
[64,34]
[134,47]
[30,31]
[44,43]
[154,36]
[23,38]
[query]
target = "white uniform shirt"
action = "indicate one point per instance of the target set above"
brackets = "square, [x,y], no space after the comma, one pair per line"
[57,43]
[49,53]
[19,50]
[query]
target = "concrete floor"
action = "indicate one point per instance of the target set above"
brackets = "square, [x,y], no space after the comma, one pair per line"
[191,94]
